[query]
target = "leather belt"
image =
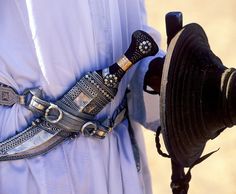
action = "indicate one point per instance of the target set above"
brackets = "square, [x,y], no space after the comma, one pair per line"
[54,125]
[32,100]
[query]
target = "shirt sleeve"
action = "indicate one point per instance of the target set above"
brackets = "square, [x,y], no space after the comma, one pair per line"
[144,107]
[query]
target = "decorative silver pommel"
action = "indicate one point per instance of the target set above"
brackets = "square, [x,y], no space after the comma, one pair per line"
[145,46]
[142,45]
[111,80]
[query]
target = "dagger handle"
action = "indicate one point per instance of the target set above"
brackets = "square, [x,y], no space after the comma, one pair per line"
[142,45]
[96,89]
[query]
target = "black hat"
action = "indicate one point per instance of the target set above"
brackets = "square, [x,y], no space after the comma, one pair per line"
[195,93]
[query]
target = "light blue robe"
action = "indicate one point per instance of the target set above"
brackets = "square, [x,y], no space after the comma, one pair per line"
[50,44]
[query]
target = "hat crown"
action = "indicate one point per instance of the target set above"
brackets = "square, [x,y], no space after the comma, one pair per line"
[197,95]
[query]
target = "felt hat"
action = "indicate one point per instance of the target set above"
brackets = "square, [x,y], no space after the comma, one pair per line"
[197,95]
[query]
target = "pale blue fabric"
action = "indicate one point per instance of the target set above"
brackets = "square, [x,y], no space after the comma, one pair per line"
[50,44]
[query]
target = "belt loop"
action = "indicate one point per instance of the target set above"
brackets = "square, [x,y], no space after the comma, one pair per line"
[33,101]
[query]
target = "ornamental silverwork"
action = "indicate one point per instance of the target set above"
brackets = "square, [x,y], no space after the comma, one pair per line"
[145,46]
[111,80]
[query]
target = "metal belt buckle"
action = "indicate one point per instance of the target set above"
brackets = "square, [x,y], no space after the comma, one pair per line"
[89,128]
[53,113]
[9,97]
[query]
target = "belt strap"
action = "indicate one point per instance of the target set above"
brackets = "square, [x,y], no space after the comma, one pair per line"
[32,99]
[42,135]
[75,123]
[61,119]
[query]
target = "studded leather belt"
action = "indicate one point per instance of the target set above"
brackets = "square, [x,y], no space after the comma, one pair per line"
[57,121]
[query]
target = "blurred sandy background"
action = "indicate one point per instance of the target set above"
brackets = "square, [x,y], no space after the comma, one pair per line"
[218,173]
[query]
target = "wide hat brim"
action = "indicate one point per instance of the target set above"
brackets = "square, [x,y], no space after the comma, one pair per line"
[182,119]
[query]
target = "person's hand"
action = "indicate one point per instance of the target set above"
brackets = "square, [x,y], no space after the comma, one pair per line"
[153,76]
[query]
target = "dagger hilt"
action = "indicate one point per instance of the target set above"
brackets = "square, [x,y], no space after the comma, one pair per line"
[142,45]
